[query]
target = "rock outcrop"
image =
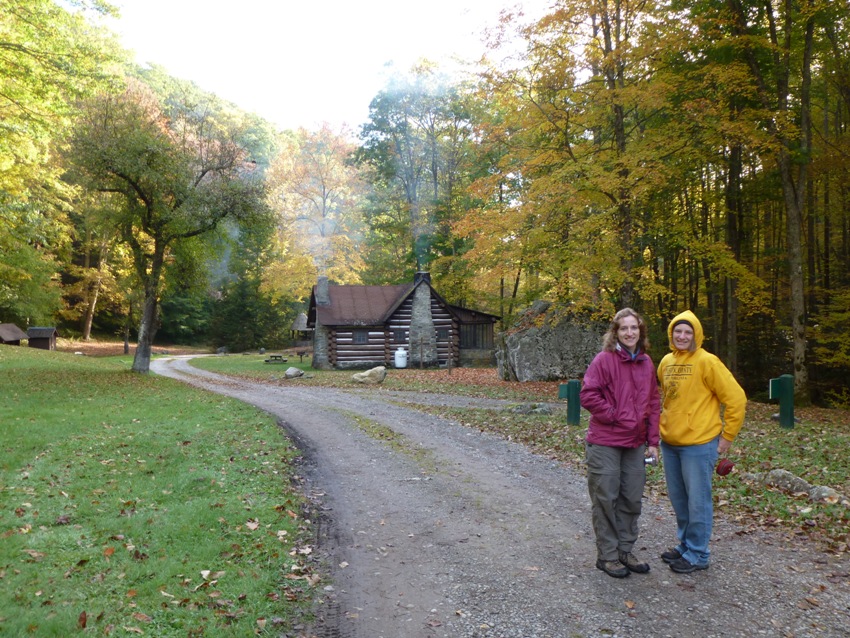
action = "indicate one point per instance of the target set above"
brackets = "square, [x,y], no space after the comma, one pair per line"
[547,346]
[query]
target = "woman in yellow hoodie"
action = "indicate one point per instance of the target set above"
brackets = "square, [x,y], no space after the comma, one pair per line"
[694,385]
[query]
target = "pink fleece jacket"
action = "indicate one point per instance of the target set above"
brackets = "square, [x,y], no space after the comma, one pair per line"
[622,397]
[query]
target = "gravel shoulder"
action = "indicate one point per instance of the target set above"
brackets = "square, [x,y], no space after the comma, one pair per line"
[450,532]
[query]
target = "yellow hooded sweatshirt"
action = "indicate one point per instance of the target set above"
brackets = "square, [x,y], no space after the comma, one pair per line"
[693,387]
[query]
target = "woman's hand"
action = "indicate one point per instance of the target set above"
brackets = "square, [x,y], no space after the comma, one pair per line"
[723,446]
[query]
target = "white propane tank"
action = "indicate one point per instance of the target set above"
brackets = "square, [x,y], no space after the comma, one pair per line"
[401,358]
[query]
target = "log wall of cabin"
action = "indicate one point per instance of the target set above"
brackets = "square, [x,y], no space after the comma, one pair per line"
[448,348]
[345,351]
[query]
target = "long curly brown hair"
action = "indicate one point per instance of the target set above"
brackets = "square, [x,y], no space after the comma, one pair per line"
[609,340]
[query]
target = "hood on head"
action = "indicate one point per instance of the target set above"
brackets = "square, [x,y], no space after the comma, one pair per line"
[691,318]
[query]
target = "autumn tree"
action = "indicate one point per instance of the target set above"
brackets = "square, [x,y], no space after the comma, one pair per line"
[317,194]
[179,173]
[582,135]
[777,40]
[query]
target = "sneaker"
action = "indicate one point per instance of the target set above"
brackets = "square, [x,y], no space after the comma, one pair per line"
[612,568]
[633,564]
[682,566]
[670,555]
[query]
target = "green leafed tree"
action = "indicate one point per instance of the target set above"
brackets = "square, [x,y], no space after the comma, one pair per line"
[50,56]
[179,172]
[417,150]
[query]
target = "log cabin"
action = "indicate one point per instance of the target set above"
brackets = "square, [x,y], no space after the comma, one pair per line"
[356,327]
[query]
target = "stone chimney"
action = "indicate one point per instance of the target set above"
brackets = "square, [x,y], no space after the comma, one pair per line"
[422,336]
[323,297]
[321,335]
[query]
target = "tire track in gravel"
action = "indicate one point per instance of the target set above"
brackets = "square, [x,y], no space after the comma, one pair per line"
[450,532]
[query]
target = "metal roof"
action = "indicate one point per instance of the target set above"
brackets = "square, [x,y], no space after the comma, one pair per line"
[41,333]
[11,332]
[361,305]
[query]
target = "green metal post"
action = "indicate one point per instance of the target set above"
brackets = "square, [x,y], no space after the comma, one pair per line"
[573,404]
[782,388]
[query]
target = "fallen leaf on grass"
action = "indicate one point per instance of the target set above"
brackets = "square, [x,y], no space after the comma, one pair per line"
[35,555]
[82,620]
[252,524]
[207,574]
[142,617]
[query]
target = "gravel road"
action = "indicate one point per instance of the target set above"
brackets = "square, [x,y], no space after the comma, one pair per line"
[449,532]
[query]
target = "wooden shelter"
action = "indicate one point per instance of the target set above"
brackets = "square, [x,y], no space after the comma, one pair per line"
[301,334]
[44,338]
[366,326]
[11,335]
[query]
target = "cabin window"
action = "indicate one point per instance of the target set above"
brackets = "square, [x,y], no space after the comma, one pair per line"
[442,334]
[361,337]
[399,336]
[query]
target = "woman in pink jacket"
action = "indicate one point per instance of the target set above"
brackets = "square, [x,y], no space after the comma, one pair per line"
[621,393]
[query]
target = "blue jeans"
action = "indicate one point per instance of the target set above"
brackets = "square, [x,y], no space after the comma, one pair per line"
[688,470]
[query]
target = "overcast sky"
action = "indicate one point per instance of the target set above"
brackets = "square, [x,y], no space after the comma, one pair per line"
[304,62]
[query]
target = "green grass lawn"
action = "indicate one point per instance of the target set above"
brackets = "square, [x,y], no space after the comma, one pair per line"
[134,504]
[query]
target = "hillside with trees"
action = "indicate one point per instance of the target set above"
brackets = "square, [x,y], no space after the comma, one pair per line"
[662,155]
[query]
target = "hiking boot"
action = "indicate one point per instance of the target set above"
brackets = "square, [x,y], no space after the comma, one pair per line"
[682,566]
[612,568]
[633,564]
[670,555]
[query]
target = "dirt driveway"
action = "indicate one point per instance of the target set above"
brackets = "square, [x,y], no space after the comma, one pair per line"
[448,532]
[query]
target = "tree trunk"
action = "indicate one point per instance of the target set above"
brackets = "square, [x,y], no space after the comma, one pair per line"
[794,232]
[150,312]
[147,330]
[733,239]
[795,196]
[794,148]
[90,308]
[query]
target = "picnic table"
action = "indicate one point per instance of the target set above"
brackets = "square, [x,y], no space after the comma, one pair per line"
[276,358]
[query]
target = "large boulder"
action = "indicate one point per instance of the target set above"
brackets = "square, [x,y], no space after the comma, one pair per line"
[546,345]
[371,377]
